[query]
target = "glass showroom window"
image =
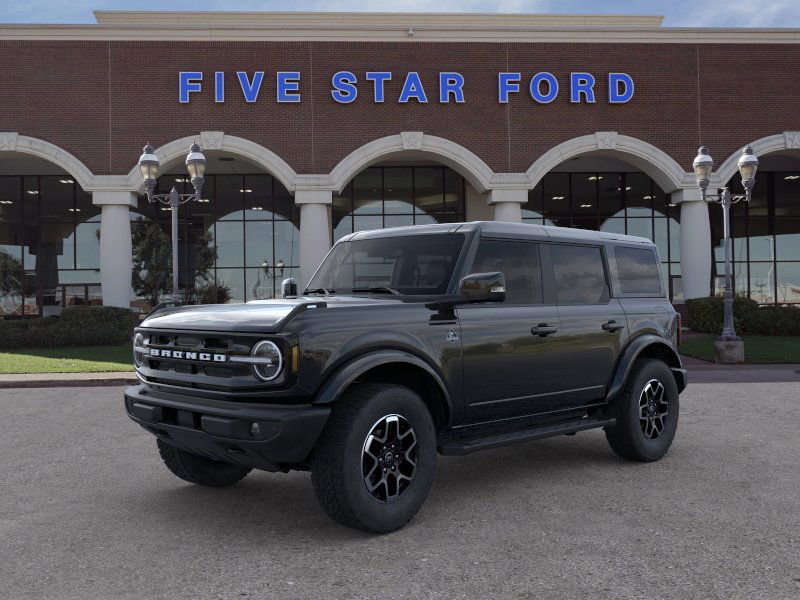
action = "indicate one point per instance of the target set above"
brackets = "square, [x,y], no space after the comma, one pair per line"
[766,240]
[396,196]
[629,203]
[49,246]
[238,244]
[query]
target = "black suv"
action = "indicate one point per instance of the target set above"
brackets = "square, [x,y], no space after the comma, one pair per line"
[450,338]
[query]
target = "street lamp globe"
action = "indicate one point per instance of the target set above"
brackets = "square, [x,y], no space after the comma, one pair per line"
[703,165]
[148,165]
[196,165]
[748,164]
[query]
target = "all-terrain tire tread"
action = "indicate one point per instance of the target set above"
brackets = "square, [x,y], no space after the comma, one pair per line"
[329,452]
[175,459]
[620,441]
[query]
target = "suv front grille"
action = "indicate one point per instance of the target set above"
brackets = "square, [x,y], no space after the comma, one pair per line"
[193,372]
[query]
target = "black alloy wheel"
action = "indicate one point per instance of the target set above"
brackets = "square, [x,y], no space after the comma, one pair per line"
[389,458]
[653,409]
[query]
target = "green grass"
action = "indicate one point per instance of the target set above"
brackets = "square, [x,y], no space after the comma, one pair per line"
[758,349]
[91,359]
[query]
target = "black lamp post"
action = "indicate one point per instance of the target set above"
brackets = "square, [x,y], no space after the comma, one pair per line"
[703,165]
[196,165]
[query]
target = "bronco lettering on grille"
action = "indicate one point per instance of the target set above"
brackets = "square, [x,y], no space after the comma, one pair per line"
[181,354]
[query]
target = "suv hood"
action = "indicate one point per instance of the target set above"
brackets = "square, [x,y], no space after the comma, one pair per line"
[262,316]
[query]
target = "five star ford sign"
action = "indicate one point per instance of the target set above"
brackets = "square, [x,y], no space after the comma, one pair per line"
[542,87]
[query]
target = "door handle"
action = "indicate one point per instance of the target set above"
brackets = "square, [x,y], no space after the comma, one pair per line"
[612,326]
[543,330]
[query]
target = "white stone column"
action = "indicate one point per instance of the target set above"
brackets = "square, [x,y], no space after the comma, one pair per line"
[315,230]
[116,255]
[695,243]
[507,204]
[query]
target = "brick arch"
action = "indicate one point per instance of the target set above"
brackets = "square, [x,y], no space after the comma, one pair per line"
[11,141]
[230,144]
[656,163]
[788,141]
[414,143]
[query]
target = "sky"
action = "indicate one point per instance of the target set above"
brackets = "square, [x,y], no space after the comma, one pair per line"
[678,13]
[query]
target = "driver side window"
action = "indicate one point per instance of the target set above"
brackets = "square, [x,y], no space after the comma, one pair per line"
[519,263]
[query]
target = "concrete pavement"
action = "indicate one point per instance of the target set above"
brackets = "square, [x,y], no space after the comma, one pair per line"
[88,511]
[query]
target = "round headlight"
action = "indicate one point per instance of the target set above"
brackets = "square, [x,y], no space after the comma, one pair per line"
[138,342]
[270,361]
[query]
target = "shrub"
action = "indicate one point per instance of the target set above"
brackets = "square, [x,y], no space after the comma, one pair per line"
[705,316]
[77,326]
[213,293]
[781,320]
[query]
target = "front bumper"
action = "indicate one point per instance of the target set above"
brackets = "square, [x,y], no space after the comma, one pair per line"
[222,430]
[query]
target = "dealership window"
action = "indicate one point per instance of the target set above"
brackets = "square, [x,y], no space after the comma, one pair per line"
[396,196]
[49,245]
[630,203]
[766,240]
[236,245]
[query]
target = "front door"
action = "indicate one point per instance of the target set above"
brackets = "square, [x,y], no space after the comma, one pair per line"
[509,351]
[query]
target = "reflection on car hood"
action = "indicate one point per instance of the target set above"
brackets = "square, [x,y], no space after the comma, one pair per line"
[265,316]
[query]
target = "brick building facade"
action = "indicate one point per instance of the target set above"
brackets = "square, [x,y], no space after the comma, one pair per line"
[79,102]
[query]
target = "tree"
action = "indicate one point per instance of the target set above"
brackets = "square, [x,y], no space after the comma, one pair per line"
[12,278]
[152,259]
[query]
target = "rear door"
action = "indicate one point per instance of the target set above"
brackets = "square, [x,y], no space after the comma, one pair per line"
[593,325]
[510,370]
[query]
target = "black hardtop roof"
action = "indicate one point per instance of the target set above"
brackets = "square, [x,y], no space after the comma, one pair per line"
[501,228]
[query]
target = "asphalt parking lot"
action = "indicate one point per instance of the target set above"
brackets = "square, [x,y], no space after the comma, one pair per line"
[87,510]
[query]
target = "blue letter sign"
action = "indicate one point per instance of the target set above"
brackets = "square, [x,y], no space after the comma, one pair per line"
[615,80]
[288,86]
[581,83]
[188,81]
[543,86]
[412,88]
[451,83]
[507,83]
[378,77]
[536,88]
[344,89]
[250,90]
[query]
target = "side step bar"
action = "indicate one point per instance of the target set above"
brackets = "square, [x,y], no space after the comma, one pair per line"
[461,446]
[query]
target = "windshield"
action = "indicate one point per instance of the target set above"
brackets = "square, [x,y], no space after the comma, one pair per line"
[410,264]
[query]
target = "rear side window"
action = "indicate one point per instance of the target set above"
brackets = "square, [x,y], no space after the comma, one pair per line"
[579,274]
[638,271]
[519,263]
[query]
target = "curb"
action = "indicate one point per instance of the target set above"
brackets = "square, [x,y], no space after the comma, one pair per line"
[49,382]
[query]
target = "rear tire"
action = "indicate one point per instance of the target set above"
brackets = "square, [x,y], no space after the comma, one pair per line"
[647,411]
[199,469]
[374,464]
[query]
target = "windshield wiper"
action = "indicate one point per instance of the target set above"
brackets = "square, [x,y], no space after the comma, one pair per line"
[323,291]
[377,289]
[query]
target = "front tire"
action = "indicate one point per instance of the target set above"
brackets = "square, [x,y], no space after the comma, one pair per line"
[647,413]
[374,464]
[199,469]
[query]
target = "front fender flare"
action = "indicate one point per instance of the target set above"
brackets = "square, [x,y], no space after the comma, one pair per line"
[633,351]
[339,381]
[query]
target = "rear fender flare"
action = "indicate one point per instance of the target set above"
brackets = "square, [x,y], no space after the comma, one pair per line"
[632,352]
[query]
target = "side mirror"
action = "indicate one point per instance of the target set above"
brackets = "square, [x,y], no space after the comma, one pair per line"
[289,288]
[483,287]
